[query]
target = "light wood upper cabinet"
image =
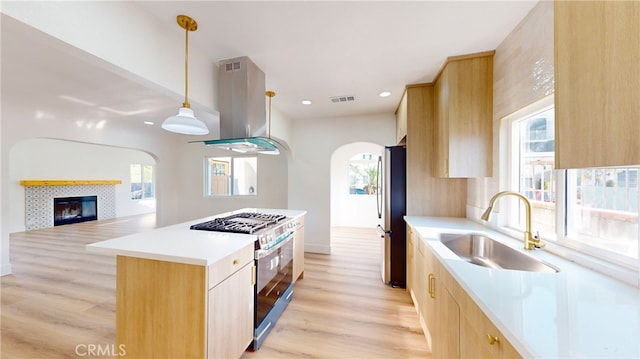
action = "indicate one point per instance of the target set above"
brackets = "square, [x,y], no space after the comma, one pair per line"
[463,117]
[597,83]
[430,195]
[401,119]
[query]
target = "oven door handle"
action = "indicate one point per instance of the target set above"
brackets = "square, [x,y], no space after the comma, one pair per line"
[261,253]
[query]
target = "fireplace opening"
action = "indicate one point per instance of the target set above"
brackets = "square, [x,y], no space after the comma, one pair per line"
[67,210]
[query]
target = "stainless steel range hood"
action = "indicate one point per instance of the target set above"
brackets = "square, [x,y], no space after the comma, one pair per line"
[242,106]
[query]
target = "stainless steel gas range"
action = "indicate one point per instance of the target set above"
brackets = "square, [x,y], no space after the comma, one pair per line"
[273,261]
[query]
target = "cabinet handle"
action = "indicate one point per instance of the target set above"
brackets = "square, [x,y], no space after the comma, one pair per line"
[491,339]
[253,275]
[432,285]
[235,261]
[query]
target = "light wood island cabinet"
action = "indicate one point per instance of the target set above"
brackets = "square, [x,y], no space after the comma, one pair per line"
[463,117]
[298,250]
[230,305]
[176,310]
[597,83]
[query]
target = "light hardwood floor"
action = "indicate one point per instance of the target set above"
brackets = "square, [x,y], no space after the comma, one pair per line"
[60,299]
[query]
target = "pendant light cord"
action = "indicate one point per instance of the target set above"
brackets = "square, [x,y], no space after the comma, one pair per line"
[270,116]
[270,94]
[186,68]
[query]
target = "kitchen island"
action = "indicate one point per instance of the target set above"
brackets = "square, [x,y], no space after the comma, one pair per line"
[186,293]
[575,312]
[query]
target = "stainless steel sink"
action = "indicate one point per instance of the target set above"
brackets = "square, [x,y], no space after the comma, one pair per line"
[487,252]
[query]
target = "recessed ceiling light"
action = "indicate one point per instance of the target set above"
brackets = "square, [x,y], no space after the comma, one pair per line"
[124,113]
[385,94]
[306,102]
[149,123]
[76,100]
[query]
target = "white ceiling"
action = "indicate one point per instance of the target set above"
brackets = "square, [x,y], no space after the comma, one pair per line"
[308,50]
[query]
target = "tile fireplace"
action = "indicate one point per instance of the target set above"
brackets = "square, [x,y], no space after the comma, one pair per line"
[39,204]
[67,210]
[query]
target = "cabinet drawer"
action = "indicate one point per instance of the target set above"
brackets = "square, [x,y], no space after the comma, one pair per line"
[480,338]
[229,265]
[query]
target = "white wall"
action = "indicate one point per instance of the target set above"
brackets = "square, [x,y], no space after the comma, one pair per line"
[314,142]
[271,189]
[55,159]
[105,29]
[179,164]
[5,265]
[351,210]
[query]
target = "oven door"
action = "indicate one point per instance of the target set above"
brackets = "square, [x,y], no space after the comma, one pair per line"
[274,276]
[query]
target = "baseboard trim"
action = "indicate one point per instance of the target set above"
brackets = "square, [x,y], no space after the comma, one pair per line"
[315,248]
[5,269]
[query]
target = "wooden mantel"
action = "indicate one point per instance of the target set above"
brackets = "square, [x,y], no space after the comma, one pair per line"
[68,182]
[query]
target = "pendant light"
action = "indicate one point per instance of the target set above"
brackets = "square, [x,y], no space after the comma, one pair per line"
[185,122]
[274,149]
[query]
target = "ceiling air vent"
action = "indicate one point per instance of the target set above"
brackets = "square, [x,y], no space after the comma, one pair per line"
[342,99]
[232,66]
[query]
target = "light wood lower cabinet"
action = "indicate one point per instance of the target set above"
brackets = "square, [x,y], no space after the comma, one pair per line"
[454,325]
[479,338]
[176,310]
[410,263]
[416,282]
[442,310]
[298,251]
[425,309]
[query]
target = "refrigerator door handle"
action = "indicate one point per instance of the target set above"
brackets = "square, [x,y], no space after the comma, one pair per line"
[379,189]
[382,232]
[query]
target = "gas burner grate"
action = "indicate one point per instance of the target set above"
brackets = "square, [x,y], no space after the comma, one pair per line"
[245,222]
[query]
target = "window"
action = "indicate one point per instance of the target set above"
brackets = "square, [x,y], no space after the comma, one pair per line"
[603,203]
[231,176]
[142,181]
[534,176]
[363,174]
[591,210]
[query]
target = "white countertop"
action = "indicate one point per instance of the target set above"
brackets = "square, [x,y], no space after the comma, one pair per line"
[178,243]
[574,313]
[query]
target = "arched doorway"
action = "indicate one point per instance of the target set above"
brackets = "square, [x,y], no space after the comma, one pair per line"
[353,192]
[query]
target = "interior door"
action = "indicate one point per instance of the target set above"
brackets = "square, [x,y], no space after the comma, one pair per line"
[219,178]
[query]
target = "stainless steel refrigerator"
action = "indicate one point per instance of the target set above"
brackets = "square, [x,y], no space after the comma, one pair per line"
[391,199]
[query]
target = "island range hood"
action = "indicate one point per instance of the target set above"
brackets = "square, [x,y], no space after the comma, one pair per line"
[242,107]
